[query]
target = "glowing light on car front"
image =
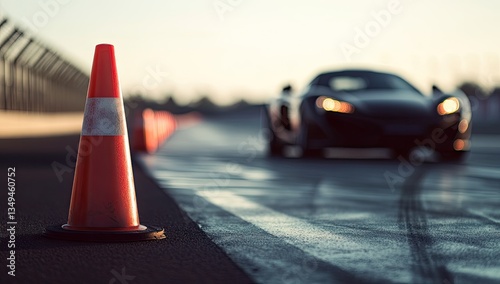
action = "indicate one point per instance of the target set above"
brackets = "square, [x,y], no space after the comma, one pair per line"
[463,126]
[329,104]
[460,145]
[448,106]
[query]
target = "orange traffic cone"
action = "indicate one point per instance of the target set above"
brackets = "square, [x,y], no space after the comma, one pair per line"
[103,202]
[145,132]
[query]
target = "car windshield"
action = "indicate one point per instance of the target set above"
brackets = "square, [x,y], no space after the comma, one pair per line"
[355,81]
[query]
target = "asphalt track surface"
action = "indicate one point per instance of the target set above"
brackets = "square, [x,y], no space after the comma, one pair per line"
[187,255]
[335,220]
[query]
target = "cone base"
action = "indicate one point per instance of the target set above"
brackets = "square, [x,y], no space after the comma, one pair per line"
[104,229]
[150,233]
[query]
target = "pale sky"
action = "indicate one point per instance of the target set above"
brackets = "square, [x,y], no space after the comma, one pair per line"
[249,49]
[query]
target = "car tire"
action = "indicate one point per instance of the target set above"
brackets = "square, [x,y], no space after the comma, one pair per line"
[275,147]
[305,142]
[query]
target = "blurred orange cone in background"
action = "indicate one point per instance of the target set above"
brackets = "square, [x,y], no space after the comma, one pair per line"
[145,137]
[151,129]
[103,202]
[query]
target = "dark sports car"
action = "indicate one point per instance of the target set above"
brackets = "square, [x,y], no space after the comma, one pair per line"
[368,109]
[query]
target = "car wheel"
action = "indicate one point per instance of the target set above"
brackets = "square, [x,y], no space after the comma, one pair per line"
[275,147]
[305,143]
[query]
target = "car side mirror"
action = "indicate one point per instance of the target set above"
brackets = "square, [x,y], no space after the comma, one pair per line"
[436,91]
[287,90]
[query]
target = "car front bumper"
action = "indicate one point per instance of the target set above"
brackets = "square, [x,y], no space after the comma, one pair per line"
[355,131]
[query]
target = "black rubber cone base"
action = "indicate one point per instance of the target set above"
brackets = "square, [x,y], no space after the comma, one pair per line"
[150,233]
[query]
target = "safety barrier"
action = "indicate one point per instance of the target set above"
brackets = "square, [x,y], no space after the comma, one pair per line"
[35,78]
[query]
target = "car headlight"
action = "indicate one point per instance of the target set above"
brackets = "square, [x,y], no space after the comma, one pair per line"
[329,104]
[448,106]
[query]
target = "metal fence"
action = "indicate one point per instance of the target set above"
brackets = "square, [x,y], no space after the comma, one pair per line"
[35,78]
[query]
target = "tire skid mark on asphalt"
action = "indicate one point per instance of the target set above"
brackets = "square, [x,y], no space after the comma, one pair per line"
[412,217]
[305,239]
[289,270]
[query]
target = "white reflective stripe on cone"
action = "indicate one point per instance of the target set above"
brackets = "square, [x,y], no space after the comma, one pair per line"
[103,117]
